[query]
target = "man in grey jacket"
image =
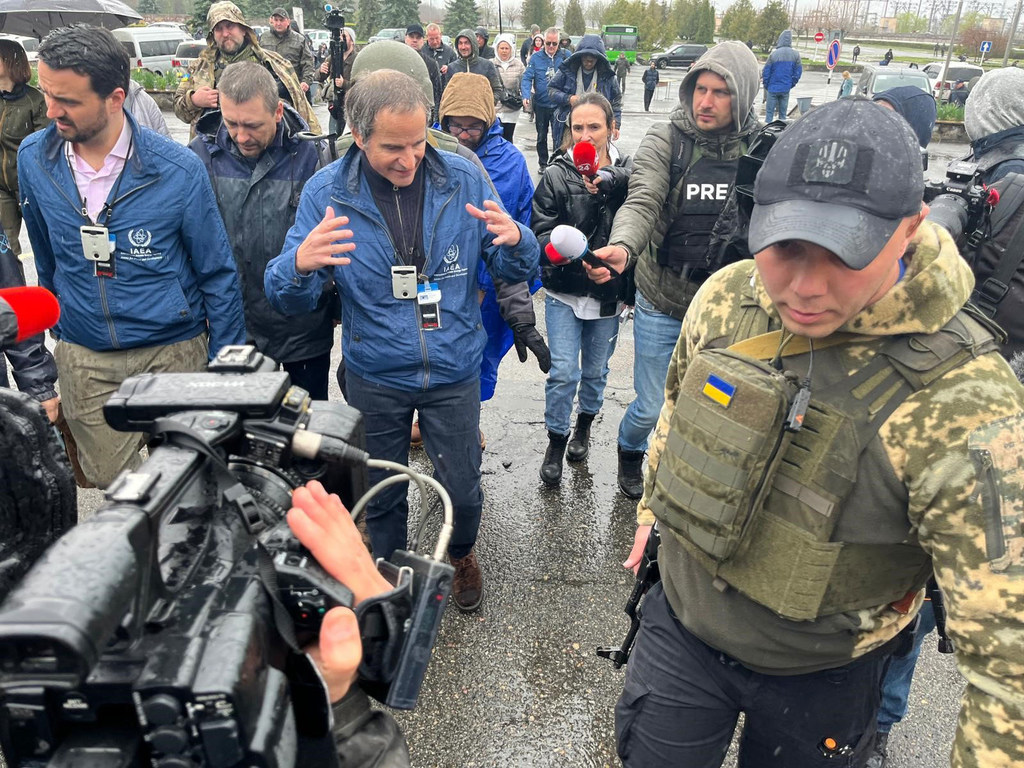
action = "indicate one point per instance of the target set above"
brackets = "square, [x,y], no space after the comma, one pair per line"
[680,182]
[258,167]
[284,40]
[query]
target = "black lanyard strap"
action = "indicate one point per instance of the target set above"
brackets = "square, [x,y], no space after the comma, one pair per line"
[108,207]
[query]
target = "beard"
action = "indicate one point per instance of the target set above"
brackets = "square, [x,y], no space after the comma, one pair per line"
[80,134]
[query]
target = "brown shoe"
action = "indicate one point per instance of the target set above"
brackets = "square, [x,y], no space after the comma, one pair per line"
[468,584]
[483,440]
[415,438]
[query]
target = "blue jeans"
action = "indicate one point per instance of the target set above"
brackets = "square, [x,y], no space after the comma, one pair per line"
[580,350]
[450,424]
[896,685]
[544,117]
[654,338]
[776,102]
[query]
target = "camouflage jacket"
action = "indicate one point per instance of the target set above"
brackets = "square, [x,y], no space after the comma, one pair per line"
[295,50]
[967,514]
[206,70]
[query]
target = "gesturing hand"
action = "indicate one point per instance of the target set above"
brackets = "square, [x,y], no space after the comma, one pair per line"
[526,337]
[323,245]
[498,222]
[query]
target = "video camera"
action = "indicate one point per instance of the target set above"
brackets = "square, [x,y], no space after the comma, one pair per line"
[961,204]
[167,629]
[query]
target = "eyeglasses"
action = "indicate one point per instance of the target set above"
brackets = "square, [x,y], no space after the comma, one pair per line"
[551,45]
[473,131]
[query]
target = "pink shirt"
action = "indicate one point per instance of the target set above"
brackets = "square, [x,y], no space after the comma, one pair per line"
[94,186]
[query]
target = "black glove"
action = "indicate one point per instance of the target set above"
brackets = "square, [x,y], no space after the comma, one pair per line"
[527,337]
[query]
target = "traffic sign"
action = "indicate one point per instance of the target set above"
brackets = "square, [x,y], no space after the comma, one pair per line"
[819,36]
[986,46]
[832,57]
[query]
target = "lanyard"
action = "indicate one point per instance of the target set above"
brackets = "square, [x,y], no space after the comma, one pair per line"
[108,208]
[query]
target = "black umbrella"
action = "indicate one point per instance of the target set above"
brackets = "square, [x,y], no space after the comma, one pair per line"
[35,18]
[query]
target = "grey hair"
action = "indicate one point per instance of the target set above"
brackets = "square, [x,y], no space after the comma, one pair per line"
[433,27]
[552,31]
[380,90]
[248,80]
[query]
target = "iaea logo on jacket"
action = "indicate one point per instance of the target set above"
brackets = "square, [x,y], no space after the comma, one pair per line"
[452,254]
[140,238]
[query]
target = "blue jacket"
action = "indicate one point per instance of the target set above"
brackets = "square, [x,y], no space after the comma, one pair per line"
[540,71]
[173,263]
[506,166]
[381,336]
[563,85]
[782,71]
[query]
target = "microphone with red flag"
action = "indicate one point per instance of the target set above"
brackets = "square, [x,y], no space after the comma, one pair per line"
[584,157]
[24,312]
[568,244]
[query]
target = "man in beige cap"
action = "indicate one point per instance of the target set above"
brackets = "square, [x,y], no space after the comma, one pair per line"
[232,40]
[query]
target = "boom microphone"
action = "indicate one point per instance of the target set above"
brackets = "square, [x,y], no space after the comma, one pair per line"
[584,157]
[568,244]
[26,311]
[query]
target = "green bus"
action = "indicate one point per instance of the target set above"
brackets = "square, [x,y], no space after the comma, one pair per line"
[620,40]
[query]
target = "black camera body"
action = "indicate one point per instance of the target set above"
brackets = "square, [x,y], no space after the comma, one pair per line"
[960,202]
[165,630]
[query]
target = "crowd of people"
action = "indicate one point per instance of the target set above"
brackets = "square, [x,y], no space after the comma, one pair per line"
[815,421]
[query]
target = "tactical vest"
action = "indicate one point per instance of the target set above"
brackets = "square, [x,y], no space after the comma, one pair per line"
[757,505]
[702,196]
[989,160]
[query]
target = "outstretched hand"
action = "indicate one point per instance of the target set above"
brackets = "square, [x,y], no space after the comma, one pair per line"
[325,243]
[498,222]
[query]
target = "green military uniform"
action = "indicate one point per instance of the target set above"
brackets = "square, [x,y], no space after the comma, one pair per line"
[941,479]
[294,49]
[208,66]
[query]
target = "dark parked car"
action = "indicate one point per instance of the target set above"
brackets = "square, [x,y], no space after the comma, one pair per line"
[682,55]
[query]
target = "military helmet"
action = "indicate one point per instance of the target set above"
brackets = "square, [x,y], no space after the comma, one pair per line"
[224,11]
[391,54]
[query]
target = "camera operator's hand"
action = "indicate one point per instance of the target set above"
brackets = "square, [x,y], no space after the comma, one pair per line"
[325,244]
[52,408]
[320,521]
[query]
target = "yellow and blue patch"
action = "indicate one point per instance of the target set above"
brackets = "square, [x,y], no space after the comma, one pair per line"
[719,390]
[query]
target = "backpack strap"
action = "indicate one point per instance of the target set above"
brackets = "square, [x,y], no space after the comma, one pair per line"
[680,159]
[989,294]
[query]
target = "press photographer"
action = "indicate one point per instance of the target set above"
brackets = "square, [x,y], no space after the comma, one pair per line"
[169,628]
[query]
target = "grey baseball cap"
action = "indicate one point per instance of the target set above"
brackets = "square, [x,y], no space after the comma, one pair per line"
[843,177]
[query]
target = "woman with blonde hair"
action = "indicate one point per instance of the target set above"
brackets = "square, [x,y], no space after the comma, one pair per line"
[22,111]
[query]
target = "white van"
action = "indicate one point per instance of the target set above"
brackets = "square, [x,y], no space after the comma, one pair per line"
[151,48]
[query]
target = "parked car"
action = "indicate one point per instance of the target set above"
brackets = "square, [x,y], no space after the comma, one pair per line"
[875,79]
[151,48]
[30,44]
[942,81]
[389,34]
[186,51]
[682,55]
[317,36]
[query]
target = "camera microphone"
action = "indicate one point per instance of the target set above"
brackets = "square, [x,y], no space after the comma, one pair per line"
[568,244]
[26,311]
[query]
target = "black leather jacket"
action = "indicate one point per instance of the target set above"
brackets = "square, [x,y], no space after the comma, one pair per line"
[562,198]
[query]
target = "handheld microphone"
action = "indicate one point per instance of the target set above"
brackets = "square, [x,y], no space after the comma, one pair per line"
[584,157]
[24,312]
[568,244]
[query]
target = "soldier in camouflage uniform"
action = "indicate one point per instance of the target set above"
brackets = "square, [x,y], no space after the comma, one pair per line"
[231,40]
[795,546]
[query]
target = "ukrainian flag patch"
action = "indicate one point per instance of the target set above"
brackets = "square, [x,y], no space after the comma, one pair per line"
[719,390]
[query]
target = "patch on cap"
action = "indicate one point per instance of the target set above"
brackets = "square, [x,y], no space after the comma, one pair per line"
[830,161]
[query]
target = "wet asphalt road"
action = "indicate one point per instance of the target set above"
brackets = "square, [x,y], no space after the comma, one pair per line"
[518,684]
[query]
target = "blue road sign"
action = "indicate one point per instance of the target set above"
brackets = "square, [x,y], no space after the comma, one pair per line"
[832,58]
[986,46]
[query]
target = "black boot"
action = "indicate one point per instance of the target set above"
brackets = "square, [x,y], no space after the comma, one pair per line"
[551,469]
[579,446]
[631,475]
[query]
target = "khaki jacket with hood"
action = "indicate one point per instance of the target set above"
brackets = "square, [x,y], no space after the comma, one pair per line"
[206,69]
[651,206]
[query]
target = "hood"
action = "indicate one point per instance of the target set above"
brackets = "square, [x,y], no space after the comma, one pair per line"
[916,106]
[227,11]
[505,38]
[470,35]
[590,45]
[738,66]
[995,103]
[467,95]
[937,284]
[785,39]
